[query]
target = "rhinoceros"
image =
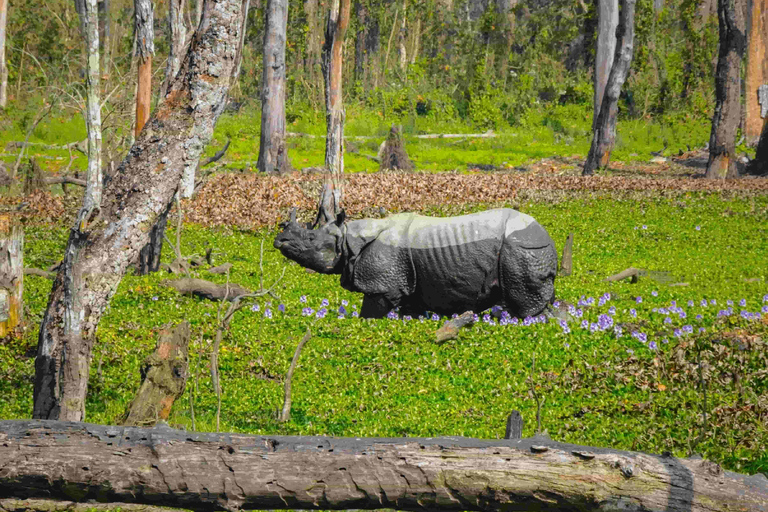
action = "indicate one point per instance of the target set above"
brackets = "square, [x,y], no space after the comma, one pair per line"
[444,265]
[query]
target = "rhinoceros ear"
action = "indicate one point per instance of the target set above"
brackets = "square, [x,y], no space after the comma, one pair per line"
[341,217]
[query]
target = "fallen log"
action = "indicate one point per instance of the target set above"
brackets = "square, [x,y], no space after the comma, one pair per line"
[566,262]
[55,180]
[486,135]
[205,471]
[28,271]
[206,289]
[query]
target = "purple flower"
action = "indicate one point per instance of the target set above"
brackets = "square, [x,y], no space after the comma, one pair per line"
[633,312]
[764,309]
[267,313]
[678,333]
[682,313]
[487,318]
[281,308]
[765,298]
[321,313]
[722,312]
[701,329]
[699,317]
[729,302]
[703,303]
[655,293]
[712,302]
[341,317]
[690,303]
[663,311]
[344,302]
[324,302]
[645,227]
[155,297]
[638,299]
[342,310]
[612,310]
[392,315]
[435,317]
[688,329]
[618,330]
[640,336]
[255,308]
[673,303]
[585,324]
[652,345]
[307,311]
[698,228]
[604,322]
[407,317]
[667,320]
[515,321]
[303,299]
[665,340]
[354,314]
[579,313]
[743,302]
[567,345]
[593,327]
[528,320]
[601,301]
[629,350]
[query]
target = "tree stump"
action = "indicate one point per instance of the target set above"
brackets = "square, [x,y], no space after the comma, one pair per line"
[394,155]
[163,378]
[11,274]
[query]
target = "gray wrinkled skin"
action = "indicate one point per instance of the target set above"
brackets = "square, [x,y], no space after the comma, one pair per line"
[445,265]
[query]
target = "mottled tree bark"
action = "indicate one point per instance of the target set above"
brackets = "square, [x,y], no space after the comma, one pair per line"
[239,58]
[89,23]
[145,49]
[607,21]
[312,56]
[11,274]
[402,36]
[3,64]
[101,247]
[366,43]
[335,30]
[104,28]
[273,155]
[604,131]
[725,122]
[149,256]
[757,67]
[209,472]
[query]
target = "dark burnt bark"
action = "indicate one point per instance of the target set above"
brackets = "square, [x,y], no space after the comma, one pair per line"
[207,472]
[149,256]
[604,131]
[273,154]
[104,243]
[335,30]
[725,122]
[759,166]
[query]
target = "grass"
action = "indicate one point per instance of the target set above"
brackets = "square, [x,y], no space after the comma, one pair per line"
[553,130]
[389,377]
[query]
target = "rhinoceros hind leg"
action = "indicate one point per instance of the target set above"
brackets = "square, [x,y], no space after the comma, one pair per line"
[376,306]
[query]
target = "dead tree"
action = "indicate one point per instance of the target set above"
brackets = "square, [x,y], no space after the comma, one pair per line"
[210,472]
[332,60]
[725,121]
[394,155]
[604,131]
[11,274]
[366,42]
[757,67]
[3,64]
[102,246]
[273,155]
[145,49]
[607,21]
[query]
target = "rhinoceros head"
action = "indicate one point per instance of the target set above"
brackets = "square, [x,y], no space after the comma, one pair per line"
[316,249]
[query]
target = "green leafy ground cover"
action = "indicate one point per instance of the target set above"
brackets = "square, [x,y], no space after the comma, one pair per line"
[388,377]
[555,130]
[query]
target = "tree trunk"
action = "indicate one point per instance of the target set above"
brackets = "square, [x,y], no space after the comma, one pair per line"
[312,57]
[89,22]
[239,58]
[3,64]
[100,249]
[607,21]
[335,29]
[505,8]
[104,28]
[163,378]
[177,38]
[759,166]
[149,256]
[273,155]
[209,472]
[757,67]
[604,132]
[366,43]
[725,122]
[401,38]
[145,48]
[11,274]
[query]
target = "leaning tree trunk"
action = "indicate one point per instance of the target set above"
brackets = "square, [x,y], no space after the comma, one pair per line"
[604,132]
[335,29]
[210,472]
[757,67]
[273,155]
[607,21]
[11,274]
[725,122]
[3,64]
[89,23]
[101,248]
[145,49]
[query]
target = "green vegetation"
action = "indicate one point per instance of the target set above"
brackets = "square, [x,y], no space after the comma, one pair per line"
[389,378]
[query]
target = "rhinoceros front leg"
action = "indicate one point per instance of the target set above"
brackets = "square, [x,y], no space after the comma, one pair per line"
[376,306]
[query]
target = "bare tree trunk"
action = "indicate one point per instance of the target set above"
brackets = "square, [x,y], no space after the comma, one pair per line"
[89,22]
[402,36]
[759,166]
[608,20]
[198,12]
[273,155]
[335,29]
[101,248]
[177,39]
[366,43]
[604,132]
[212,472]
[312,57]
[757,67]
[3,64]
[11,274]
[239,58]
[725,122]
[506,9]
[104,28]
[145,49]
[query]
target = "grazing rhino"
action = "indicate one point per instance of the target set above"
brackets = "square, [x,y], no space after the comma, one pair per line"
[445,265]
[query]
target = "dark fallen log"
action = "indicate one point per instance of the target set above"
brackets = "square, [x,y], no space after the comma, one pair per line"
[163,378]
[206,472]
[206,289]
